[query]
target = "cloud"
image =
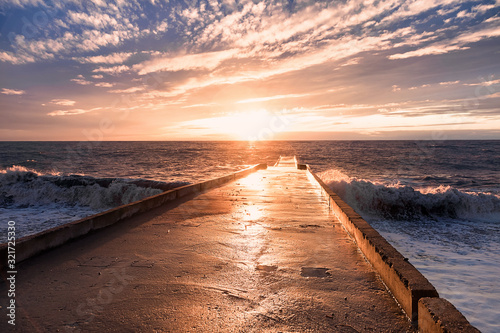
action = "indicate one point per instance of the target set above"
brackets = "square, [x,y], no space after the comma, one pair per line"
[7,91]
[269,98]
[30,50]
[455,44]
[262,41]
[247,66]
[104,84]
[111,59]
[64,102]
[245,70]
[198,105]
[16,59]
[87,29]
[476,36]
[447,83]
[278,53]
[485,83]
[127,91]
[416,7]
[95,19]
[72,112]
[261,28]
[80,79]
[23,3]
[261,25]
[421,86]
[162,27]
[484,8]
[429,50]
[353,61]
[206,61]
[112,70]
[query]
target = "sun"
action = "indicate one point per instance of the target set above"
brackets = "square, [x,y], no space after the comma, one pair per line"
[250,125]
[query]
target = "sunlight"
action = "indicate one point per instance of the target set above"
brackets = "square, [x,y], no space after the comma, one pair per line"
[247,125]
[252,213]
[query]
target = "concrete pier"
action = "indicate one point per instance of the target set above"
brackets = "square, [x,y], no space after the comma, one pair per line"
[262,253]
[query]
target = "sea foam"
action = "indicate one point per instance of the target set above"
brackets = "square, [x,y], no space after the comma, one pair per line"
[404,202]
[39,201]
[21,187]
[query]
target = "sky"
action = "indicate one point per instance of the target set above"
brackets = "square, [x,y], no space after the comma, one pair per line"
[249,70]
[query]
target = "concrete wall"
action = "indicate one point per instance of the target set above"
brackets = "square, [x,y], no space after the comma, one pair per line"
[404,281]
[30,246]
[415,294]
[439,315]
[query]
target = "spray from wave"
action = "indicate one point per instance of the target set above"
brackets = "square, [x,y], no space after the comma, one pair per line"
[397,202]
[37,201]
[23,188]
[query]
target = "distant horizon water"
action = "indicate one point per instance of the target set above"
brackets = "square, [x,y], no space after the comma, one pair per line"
[437,202]
[251,141]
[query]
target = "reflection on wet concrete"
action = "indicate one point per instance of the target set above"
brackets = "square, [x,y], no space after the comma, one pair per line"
[261,254]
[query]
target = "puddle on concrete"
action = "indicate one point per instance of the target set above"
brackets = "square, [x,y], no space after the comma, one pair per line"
[314,272]
[266,268]
[310,226]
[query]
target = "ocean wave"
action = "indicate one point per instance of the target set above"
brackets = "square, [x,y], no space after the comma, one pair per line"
[379,200]
[21,188]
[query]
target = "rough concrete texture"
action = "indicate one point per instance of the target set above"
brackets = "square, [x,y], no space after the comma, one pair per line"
[437,315]
[260,254]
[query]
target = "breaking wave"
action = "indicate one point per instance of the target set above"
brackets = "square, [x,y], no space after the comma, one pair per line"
[22,188]
[403,202]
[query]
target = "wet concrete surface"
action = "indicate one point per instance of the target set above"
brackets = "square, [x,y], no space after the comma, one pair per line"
[261,254]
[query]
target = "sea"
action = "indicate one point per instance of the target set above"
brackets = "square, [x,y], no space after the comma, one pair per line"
[437,202]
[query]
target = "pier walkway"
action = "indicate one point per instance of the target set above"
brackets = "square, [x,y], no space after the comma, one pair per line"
[260,254]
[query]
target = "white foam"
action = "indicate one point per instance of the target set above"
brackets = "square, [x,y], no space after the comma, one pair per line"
[24,188]
[465,275]
[38,202]
[34,219]
[403,202]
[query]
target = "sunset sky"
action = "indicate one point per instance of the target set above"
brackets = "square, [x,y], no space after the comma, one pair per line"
[217,70]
